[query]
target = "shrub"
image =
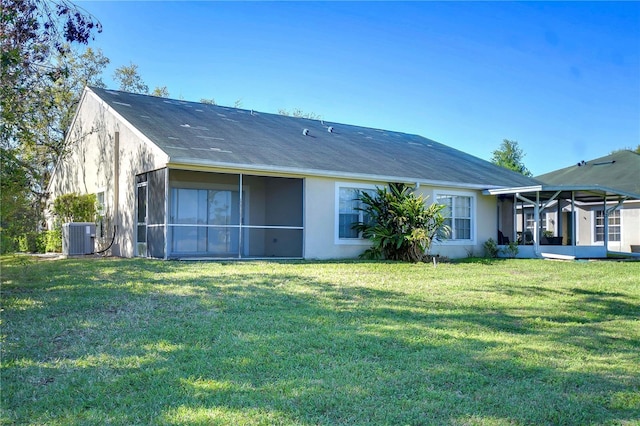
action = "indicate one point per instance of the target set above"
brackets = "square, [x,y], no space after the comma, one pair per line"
[491,248]
[399,225]
[31,242]
[511,249]
[75,208]
[53,241]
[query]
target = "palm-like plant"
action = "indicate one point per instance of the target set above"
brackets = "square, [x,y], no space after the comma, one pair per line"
[399,224]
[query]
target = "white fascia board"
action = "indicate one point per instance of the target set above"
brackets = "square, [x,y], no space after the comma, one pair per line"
[585,188]
[513,190]
[130,126]
[187,163]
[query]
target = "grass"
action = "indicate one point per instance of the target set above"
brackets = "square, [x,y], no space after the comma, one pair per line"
[505,342]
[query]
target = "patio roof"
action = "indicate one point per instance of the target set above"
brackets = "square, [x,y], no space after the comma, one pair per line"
[581,193]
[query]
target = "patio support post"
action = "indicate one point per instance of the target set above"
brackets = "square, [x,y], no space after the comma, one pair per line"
[166,214]
[241,219]
[536,219]
[536,225]
[573,219]
[559,218]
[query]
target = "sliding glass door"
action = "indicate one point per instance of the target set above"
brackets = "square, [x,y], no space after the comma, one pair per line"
[205,221]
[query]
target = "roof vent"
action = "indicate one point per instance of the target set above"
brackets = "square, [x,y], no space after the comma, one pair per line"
[305,132]
[330,129]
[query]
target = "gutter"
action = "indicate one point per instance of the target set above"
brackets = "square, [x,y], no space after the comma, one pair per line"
[189,164]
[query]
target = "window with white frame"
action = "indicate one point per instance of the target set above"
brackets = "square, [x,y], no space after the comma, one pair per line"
[614,225]
[349,212]
[458,212]
[530,222]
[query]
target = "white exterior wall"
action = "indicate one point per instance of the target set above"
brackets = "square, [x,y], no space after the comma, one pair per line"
[484,225]
[629,226]
[630,218]
[320,214]
[93,159]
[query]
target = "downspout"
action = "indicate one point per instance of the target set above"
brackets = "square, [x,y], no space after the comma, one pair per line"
[607,212]
[116,182]
[559,223]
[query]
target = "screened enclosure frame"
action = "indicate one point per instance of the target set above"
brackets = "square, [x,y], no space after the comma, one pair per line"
[225,215]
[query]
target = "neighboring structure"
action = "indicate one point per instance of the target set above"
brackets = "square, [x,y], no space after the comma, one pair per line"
[178,179]
[619,170]
[586,210]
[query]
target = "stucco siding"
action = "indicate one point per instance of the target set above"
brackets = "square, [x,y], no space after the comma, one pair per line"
[321,211]
[319,221]
[100,145]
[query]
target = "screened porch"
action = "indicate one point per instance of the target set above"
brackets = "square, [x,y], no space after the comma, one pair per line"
[221,216]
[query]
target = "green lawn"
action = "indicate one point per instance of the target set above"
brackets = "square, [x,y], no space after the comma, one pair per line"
[505,342]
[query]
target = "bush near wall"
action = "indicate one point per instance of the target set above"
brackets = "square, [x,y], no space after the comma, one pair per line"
[31,242]
[53,241]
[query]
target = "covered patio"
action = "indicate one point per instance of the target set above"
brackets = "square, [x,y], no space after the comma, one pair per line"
[544,220]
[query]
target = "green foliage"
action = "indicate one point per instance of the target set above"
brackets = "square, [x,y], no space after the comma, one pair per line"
[491,248]
[399,225]
[129,79]
[160,91]
[510,156]
[475,342]
[297,112]
[53,241]
[75,208]
[32,242]
[511,249]
[40,85]
[636,150]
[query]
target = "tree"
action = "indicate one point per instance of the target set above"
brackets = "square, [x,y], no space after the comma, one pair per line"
[637,150]
[399,225]
[130,80]
[34,34]
[510,156]
[161,92]
[297,112]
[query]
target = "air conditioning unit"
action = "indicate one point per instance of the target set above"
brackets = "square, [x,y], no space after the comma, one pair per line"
[78,238]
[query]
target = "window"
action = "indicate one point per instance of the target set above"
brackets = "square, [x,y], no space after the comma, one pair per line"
[530,222]
[614,225]
[348,211]
[458,212]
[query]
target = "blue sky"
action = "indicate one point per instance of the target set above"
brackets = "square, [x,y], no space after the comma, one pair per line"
[562,79]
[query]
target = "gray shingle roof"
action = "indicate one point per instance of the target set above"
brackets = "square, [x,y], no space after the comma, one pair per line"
[619,170]
[194,133]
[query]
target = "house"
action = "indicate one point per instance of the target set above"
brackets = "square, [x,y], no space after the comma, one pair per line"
[589,209]
[178,179]
[619,170]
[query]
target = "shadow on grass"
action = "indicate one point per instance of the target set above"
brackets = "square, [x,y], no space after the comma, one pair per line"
[150,342]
